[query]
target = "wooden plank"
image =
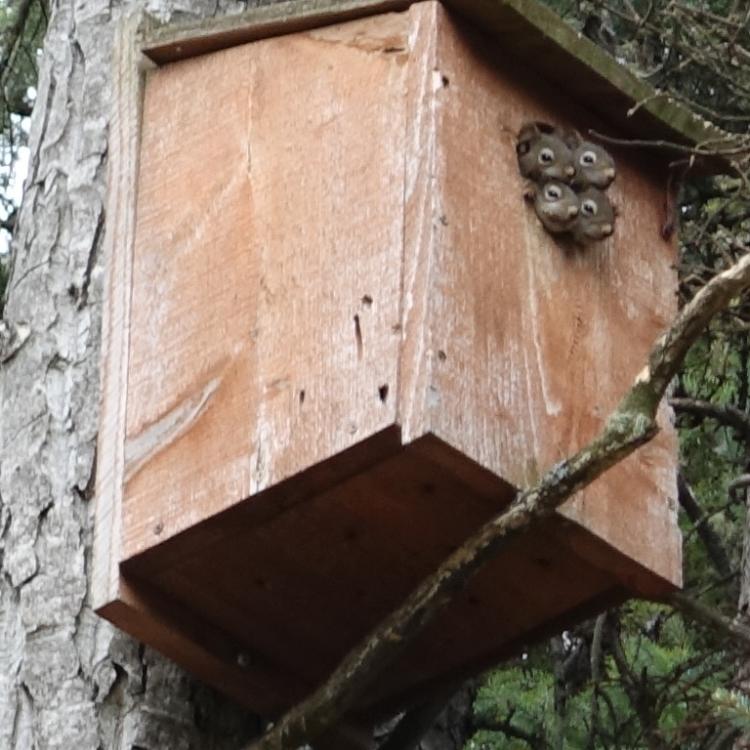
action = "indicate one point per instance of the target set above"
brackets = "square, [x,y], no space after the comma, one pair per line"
[123,160]
[350,549]
[532,342]
[266,291]
[266,505]
[525,29]
[382,709]
[165,44]
[420,217]
[281,587]
[199,645]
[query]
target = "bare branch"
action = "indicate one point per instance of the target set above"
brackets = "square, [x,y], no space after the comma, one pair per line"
[702,526]
[641,699]
[693,609]
[596,675]
[741,482]
[415,722]
[703,149]
[631,425]
[727,415]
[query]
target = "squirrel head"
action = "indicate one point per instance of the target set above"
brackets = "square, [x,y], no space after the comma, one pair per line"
[557,206]
[594,166]
[543,154]
[596,217]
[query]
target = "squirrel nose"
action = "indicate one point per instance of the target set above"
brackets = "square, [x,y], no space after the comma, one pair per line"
[570,171]
[607,229]
[572,211]
[610,173]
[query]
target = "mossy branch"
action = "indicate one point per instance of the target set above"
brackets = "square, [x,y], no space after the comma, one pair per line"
[631,425]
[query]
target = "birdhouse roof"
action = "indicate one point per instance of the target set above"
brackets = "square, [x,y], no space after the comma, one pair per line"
[529,31]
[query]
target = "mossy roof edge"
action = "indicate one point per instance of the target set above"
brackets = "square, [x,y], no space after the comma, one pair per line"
[530,31]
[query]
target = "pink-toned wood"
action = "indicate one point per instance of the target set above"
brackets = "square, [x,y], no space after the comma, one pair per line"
[124,132]
[531,341]
[268,249]
[348,340]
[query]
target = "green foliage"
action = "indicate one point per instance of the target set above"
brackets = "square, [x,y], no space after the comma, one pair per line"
[22,28]
[734,707]
[681,672]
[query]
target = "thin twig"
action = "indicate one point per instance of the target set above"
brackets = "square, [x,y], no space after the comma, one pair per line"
[700,150]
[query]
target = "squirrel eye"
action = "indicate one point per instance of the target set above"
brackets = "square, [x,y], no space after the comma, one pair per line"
[588,158]
[552,192]
[589,207]
[546,156]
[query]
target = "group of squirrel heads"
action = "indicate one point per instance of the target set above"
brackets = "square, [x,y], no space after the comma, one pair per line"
[568,177]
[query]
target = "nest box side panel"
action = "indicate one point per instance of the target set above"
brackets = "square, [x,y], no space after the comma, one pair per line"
[532,343]
[267,268]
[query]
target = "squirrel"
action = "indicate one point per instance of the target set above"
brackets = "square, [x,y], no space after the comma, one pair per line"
[594,166]
[543,154]
[566,178]
[596,217]
[556,205]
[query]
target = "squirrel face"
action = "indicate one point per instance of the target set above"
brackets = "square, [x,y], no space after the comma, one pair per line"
[543,155]
[594,167]
[596,218]
[557,206]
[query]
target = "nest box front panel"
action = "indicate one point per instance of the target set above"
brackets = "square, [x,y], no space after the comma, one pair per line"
[265,309]
[532,340]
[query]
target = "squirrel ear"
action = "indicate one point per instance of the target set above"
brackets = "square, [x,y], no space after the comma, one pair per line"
[528,132]
[572,138]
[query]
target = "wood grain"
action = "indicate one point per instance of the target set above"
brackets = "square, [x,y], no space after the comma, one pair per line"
[266,289]
[123,160]
[166,44]
[337,341]
[532,341]
[526,30]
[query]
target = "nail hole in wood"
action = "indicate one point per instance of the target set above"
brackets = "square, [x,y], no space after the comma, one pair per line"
[358,336]
[383,392]
[446,81]
[367,300]
[302,397]
[442,356]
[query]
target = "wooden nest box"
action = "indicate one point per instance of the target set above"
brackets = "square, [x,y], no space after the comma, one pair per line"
[337,339]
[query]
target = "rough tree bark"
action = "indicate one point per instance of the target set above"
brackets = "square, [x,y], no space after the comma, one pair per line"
[67,679]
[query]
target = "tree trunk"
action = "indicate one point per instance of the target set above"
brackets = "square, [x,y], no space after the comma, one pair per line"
[67,679]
